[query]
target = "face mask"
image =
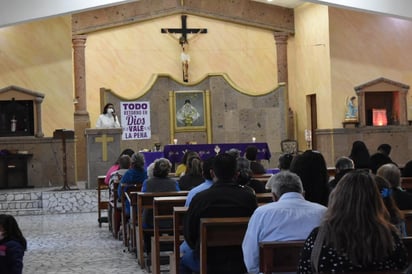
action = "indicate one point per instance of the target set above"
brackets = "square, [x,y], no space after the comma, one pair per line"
[110,110]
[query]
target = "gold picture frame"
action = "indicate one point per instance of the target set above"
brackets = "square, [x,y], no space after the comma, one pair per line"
[190,111]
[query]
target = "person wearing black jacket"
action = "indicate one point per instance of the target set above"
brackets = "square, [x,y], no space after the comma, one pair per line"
[225,198]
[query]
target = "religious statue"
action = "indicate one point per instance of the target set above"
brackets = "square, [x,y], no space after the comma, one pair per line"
[185,58]
[187,114]
[351,109]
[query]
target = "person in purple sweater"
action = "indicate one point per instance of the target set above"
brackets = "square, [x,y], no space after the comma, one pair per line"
[12,245]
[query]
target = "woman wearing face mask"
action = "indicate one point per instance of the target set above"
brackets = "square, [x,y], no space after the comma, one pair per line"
[12,245]
[109,118]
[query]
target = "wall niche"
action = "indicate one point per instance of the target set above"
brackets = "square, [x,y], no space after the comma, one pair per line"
[382,100]
[20,112]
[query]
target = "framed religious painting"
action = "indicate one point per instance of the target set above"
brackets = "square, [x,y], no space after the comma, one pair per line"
[189,110]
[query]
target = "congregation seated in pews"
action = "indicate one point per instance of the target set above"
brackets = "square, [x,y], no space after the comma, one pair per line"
[222,228]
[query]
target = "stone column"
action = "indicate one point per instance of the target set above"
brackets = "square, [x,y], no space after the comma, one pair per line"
[281,39]
[81,116]
[39,130]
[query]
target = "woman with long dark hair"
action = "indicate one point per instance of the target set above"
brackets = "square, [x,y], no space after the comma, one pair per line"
[356,234]
[311,168]
[12,245]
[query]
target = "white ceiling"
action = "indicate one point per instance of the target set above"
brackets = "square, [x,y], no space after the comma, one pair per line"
[18,11]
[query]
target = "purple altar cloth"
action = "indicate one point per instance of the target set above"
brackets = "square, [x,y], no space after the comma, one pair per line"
[175,152]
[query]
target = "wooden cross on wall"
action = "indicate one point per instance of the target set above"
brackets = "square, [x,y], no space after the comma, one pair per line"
[184,41]
[183,30]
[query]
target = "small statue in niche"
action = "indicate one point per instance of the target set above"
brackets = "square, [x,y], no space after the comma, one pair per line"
[351,109]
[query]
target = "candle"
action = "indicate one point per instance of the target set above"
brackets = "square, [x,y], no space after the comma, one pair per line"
[175,141]
[253,139]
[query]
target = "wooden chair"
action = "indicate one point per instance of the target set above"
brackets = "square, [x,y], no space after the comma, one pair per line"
[127,188]
[163,234]
[289,146]
[116,211]
[279,256]
[102,205]
[221,232]
[145,201]
[178,217]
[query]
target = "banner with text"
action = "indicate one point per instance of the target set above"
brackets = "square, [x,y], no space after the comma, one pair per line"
[135,120]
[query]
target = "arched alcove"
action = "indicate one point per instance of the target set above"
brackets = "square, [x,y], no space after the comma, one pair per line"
[20,112]
[382,96]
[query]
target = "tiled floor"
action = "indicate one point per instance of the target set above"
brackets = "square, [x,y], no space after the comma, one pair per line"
[73,243]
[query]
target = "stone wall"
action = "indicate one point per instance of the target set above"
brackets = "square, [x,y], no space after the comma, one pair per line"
[333,143]
[45,168]
[235,116]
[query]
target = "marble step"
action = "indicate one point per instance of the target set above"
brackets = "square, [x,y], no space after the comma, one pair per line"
[20,196]
[20,204]
[22,212]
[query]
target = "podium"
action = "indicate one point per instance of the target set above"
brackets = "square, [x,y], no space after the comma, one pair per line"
[103,148]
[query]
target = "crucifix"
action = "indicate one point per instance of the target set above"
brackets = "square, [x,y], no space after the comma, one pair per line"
[184,42]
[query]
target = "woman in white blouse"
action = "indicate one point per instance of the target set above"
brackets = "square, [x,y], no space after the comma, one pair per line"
[108,119]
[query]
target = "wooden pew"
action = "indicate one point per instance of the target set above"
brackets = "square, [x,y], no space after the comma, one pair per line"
[127,188]
[264,198]
[178,217]
[220,232]
[163,212]
[145,201]
[102,205]
[406,183]
[132,225]
[283,256]
[279,256]
[263,178]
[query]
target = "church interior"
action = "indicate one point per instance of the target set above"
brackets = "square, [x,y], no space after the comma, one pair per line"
[269,77]
[267,71]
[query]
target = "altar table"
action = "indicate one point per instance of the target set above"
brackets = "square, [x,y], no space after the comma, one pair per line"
[175,152]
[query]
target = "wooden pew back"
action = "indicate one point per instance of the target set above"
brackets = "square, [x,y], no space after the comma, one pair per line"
[178,217]
[145,201]
[221,232]
[132,227]
[127,188]
[279,256]
[264,198]
[163,213]
[283,256]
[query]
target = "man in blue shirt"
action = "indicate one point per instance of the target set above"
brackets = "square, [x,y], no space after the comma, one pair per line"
[207,166]
[290,217]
